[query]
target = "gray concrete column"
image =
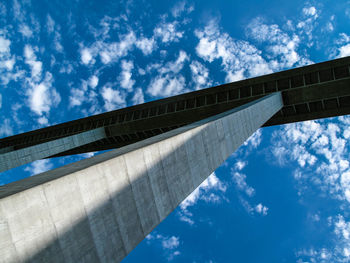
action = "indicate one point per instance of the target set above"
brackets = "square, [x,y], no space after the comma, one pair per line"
[13,158]
[99,209]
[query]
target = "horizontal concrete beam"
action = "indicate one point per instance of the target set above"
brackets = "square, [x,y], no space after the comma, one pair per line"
[14,158]
[99,209]
[132,124]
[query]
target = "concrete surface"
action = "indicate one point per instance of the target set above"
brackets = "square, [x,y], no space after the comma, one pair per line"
[99,209]
[10,158]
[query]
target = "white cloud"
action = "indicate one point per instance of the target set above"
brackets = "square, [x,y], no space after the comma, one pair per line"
[57,42]
[310,11]
[168,244]
[237,57]
[25,31]
[113,99]
[261,209]
[93,81]
[240,165]
[146,45]
[4,46]
[180,8]
[86,93]
[254,140]
[324,160]
[31,60]
[50,24]
[17,12]
[240,180]
[281,48]
[125,76]
[175,66]
[200,75]
[307,25]
[39,166]
[343,39]
[168,32]
[210,191]
[344,51]
[86,56]
[77,96]
[339,247]
[330,27]
[245,191]
[138,97]
[42,96]
[6,128]
[166,86]
[112,52]
[169,81]
[7,62]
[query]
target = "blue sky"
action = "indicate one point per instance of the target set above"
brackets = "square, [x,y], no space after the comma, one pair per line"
[282,197]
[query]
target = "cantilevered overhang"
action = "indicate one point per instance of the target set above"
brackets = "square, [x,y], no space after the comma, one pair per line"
[311,92]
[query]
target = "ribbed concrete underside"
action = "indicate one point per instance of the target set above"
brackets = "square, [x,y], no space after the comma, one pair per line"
[99,209]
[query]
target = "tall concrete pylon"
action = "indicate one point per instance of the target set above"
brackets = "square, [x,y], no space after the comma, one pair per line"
[99,209]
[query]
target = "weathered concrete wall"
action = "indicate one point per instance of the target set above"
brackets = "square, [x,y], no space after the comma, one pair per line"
[99,209]
[11,159]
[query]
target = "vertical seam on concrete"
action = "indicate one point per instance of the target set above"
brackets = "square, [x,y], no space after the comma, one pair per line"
[133,196]
[13,243]
[188,164]
[187,154]
[114,214]
[92,233]
[173,206]
[86,215]
[53,222]
[206,151]
[172,198]
[149,181]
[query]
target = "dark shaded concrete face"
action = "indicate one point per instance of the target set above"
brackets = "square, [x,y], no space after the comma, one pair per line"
[316,91]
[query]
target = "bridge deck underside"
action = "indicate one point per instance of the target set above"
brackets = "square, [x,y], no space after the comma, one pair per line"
[311,92]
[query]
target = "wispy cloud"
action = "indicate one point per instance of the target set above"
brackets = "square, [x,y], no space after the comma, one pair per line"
[86,95]
[169,81]
[7,62]
[42,96]
[138,97]
[239,58]
[146,45]
[339,251]
[33,63]
[180,8]
[113,98]
[245,191]
[6,128]
[125,78]
[210,191]
[170,245]
[281,48]
[39,166]
[200,75]
[168,32]
[325,159]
